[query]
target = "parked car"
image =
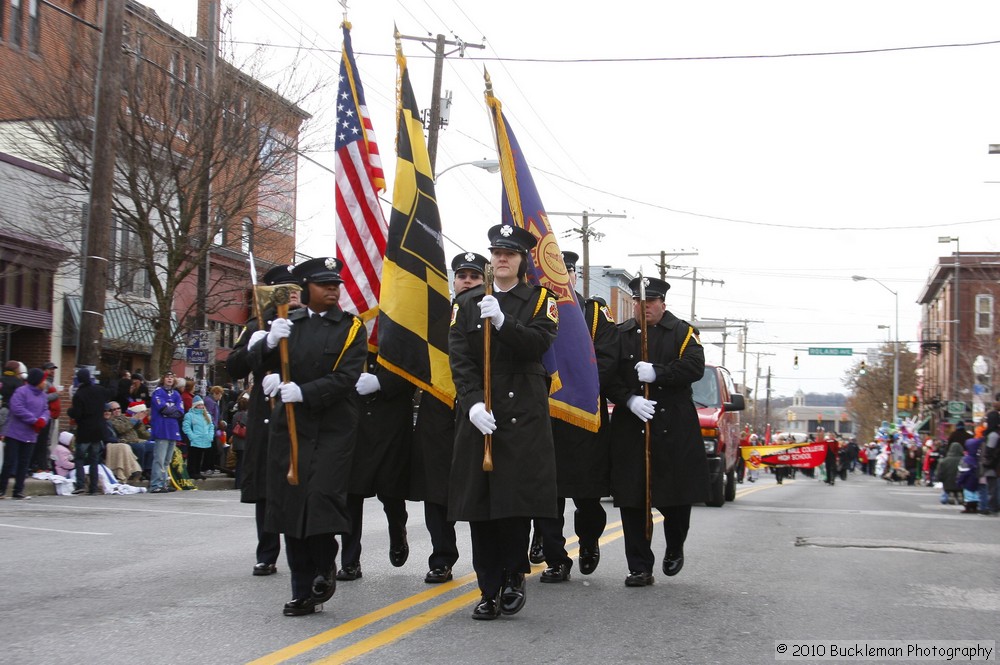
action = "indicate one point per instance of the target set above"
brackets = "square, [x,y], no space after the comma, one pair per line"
[719,407]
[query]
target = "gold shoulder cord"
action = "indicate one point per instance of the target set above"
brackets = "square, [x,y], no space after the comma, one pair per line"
[541,298]
[686,340]
[350,338]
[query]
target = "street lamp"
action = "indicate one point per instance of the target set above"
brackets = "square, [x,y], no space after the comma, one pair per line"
[955,323]
[489,165]
[895,348]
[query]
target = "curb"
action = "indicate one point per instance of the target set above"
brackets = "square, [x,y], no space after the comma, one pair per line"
[35,487]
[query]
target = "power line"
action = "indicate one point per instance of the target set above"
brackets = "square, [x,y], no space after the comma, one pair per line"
[690,58]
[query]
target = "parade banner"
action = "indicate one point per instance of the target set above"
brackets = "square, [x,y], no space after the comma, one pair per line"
[570,361]
[800,455]
[415,307]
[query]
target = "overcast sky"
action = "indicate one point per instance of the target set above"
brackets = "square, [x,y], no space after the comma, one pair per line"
[787,175]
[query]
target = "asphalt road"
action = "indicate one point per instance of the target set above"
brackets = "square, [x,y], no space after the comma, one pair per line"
[166,579]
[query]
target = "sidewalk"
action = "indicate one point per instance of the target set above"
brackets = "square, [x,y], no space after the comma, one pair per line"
[34,487]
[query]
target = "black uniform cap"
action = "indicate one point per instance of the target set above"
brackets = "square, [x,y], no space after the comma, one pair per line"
[570,259]
[514,238]
[321,270]
[279,275]
[655,288]
[469,261]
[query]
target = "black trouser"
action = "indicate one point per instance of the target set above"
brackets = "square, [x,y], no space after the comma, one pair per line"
[268,544]
[40,455]
[444,545]
[499,547]
[16,455]
[307,558]
[638,550]
[831,470]
[395,513]
[589,520]
[196,461]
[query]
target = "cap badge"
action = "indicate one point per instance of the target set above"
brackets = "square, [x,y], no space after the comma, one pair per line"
[469,256]
[645,281]
[288,268]
[506,230]
[330,263]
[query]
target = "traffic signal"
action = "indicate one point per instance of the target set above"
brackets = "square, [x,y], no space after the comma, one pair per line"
[796,365]
[903,402]
[913,402]
[863,368]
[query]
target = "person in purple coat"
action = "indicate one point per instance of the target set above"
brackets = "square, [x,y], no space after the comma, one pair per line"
[29,413]
[166,414]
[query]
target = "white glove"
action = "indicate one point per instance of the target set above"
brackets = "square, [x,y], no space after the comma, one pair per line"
[280,328]
[645,371]
[368,384]
[270,384]
[641,407]
[290,392]
[481,418]
[489,307]
[256,337]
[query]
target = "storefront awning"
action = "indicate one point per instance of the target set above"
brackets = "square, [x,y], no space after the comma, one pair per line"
[126,328]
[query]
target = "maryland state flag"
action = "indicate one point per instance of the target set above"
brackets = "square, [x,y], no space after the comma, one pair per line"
[415,305]
[570,361]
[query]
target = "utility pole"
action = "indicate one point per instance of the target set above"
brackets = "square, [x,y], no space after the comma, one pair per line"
[211,44]
[756,383]
[586,233]
[434,122]
[662,265]
[95,278]
[694,284]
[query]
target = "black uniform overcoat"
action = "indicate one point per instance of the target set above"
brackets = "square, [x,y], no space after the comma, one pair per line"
[385,433]
[679,463]
[327,355]
[253,484]
[583,458]
[523,481]
[433,446]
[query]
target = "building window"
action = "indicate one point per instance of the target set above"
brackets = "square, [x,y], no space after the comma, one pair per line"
[246,238]
[15,22]
[33,26]
[984,313]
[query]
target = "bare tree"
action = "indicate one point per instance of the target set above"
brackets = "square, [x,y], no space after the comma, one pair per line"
[871,392]
[175,136]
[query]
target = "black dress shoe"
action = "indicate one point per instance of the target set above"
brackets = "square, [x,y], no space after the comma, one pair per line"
[438,575]
[590,556]
[639,578]
[535,553]
[400,553]
[486,609]
[349,573]
[261,569]
[672,563]
[512,595]
[558,573]
[324,587]
[301,607]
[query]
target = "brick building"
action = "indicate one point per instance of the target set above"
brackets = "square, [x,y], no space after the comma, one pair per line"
[957,343]
[206,158]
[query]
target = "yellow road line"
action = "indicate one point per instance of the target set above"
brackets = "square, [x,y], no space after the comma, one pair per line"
[424,619]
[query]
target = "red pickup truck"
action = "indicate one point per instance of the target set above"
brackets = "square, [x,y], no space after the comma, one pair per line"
[719,407]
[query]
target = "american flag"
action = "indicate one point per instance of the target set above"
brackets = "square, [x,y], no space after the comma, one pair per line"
[361,227]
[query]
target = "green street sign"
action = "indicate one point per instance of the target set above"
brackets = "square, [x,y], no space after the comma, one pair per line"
[829,351]
[956,408]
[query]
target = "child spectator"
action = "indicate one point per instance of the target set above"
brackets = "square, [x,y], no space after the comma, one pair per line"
[62,455]
[200,431]
[968,476]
